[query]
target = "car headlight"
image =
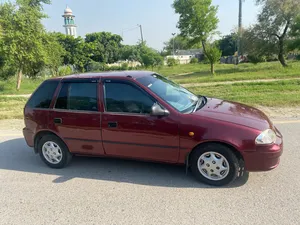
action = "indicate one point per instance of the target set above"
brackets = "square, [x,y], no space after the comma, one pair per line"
[266,137]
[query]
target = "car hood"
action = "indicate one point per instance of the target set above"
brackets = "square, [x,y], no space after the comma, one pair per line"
[233,112]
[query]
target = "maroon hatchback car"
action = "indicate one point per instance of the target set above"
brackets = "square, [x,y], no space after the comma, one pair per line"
[143,115]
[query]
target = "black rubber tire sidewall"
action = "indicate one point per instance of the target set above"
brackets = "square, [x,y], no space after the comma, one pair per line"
[223,150]
[66,155]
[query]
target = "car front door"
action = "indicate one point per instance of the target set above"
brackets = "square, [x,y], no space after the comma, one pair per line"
[76,117]
[128,129]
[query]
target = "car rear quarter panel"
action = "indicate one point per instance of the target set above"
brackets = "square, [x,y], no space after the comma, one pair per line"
[208,130]
[35,120]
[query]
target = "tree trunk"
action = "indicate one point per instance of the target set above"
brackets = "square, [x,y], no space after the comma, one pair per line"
[281,53]
[53,73]
[19,79]
[281,44]
[203,46]
[212,68]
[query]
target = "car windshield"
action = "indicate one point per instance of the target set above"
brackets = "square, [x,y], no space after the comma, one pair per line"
[175,95]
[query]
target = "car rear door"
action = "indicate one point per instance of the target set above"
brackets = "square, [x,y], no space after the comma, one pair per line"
[76,117]
[128,129]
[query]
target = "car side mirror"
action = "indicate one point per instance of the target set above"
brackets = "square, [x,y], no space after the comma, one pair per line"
[157,110]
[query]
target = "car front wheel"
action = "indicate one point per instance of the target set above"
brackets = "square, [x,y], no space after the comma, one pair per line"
[54,152]
[214,164]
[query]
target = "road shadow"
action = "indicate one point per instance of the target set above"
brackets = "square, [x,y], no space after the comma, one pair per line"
[16,155]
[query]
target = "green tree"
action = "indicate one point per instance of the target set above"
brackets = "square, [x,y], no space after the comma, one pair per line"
[55,54]
[294,43]
[194,61]
[76,51]
[172,62]
[23,34]
[197,21]
[213,54]
[151,58]
[1,32]
[37,3]
[105,46]
[259,45]
[131,53]
[52,57]
[275,20]
[178,42]
[7,68]
[228,44]
[141,53]
[148,56]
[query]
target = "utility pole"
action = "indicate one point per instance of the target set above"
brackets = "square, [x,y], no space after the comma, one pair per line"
[240,29]
[141,30]
[173,43]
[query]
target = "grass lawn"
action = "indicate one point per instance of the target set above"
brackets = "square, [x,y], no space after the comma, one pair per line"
[272,93]
[199,73]
[8,87]
[278,94]
[11,107]
[195,73]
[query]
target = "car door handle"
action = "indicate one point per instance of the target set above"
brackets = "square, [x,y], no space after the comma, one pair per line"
[112,124]
[57,120]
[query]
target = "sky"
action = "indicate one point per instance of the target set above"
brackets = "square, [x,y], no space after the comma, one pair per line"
[157,18]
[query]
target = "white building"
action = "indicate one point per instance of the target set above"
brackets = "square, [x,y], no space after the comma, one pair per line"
[69,22]
[185,56]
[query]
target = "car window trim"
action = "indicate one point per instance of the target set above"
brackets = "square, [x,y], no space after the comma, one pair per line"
[129,83]
[84,81]
[75,111]
[80,80]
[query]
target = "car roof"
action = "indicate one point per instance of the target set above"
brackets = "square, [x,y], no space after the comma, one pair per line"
[121,74]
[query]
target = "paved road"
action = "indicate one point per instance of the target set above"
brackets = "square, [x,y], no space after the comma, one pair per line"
[110,191]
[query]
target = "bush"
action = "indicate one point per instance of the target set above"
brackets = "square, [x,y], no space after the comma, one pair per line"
[194,61]
[95,66]
[271,58]
[114,68]
[65,70]
[124,66]
[131,68]
[172,62]
[298,57]
[256,59]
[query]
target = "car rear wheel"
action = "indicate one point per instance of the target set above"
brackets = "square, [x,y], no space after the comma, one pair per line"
[214,164]
[54,152]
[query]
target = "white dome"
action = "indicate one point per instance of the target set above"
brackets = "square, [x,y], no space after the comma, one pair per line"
[68,11]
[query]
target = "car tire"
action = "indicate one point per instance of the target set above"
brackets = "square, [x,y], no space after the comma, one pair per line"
[54,152]
[205,164]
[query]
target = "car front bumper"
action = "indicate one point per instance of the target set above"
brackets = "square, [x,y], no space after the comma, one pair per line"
[266,157]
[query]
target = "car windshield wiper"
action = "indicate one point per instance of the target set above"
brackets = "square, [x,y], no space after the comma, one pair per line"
[199,102]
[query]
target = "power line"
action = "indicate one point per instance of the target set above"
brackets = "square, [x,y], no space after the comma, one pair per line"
[133,28]
[129,29]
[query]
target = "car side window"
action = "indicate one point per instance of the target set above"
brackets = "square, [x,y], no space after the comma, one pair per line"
[78,96]
[43,95]
[126,98]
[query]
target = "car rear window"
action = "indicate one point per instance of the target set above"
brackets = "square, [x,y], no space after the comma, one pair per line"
[42,97]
